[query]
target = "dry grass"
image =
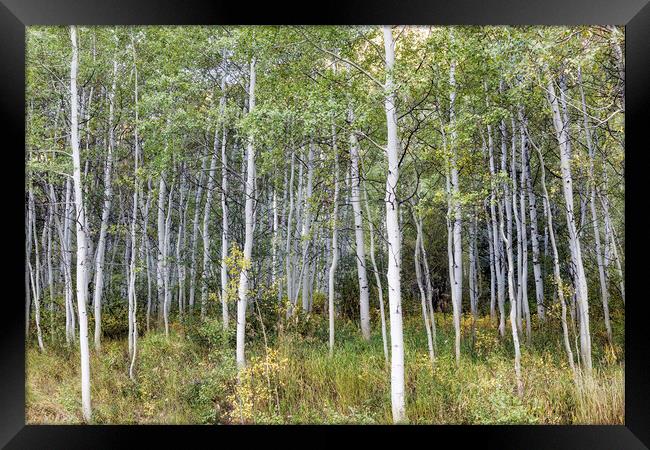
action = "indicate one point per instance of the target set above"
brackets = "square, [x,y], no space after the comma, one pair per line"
[191,378]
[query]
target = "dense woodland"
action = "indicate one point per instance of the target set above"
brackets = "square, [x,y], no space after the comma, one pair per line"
[325,224]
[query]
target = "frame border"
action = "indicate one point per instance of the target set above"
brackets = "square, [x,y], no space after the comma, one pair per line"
[15,15]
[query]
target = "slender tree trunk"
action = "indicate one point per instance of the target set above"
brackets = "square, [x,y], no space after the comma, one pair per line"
[556,261]
[180,242]
[562,131]
[289,278]
[160,268]
[133,304]
[167,271]
[524,233]
[497,245]
[455,210]
[513,318]
[394,238]
[206,225]
[534,234]
[306,230]
[35,275]
[335,243]
[493,281]
[82,287]
[248,240]
[418,276]
[195,233]
[224,233]
[594,217]
[106,211]
[364,297]
[380,290]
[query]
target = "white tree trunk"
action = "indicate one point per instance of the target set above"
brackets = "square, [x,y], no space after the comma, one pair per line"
[225,231]
[80,222]
[288,275]
[380,290]
[306,230]
[248,240]
[106,211]
[35,274]
[497,245]
[418,276]
[513,312]
[455,207]
[561,124]
[355,198]
[206,225]
[160,267]
[335,244]
[195,234]
[394,238]
[604,293]
[556,261]
[133,304]
[534,234]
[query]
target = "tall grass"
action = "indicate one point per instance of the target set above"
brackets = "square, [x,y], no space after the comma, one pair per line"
[191,377]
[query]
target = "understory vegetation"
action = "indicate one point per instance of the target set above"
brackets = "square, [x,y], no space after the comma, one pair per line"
[191,377]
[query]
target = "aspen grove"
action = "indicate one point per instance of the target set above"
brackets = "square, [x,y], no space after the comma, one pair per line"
[387,224]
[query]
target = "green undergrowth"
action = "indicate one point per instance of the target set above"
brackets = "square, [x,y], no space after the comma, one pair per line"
[191,377]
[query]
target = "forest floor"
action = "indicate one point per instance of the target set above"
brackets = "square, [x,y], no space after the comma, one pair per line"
[191,377]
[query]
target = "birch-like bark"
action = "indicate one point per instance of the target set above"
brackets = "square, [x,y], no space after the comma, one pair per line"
[497,245]
[65,237]
[306,230]
[248,239]
[493,281]
[454,212]
[515,213]
[209,192]
[166,271]
[133,304]
[80,222]
[524,232]
[456,209]
[394,238]
[507,203]
[289,278]
[195,234]
[513,318]
[556,261]
[160,268]
[380,290]
[472,278]
[335,243]
[180,241]
[52,212]
[225,231]
[106,211]
[418,276]
[561,124]
[604,293]
[35,274]
[355,197]
[147,249]
[534,234]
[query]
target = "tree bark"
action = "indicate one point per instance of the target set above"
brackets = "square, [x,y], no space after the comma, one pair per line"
[248,241]
[394,238]
[82,287]
[561,124]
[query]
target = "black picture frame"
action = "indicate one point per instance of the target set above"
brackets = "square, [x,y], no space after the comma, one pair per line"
[15,15]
